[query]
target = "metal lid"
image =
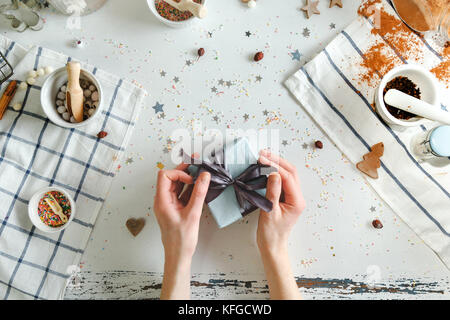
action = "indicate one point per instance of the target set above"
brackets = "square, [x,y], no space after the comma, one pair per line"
[440,141]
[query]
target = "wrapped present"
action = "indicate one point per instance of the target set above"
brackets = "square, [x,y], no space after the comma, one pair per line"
[238,181]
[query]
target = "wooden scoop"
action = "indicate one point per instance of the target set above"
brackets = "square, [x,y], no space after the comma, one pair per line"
[196,9]
[54,205]
[74,93]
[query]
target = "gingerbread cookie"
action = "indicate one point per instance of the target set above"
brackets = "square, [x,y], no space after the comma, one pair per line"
[371,161]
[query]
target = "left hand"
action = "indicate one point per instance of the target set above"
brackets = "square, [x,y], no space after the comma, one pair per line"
[179,222]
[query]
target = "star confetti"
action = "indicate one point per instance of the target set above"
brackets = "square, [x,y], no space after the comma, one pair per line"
[336,3]
[228,84]
[248,34]
[332,26]
[311,8]
[284,143]
[306,32]
[129,161]
[158,107]
[373,209]
[221,82]
[163,73]
[176,79]
[305,146]
[258,78]
[296,55]
[214,89]
[265,112]
[246,116]
[188,62]
[159,165]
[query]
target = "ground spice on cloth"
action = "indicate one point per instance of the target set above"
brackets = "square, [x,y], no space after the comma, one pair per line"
[442,70]
[376,62]
[393,30]
[404,85]
[395,34]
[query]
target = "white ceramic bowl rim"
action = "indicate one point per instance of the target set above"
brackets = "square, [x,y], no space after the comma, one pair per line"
[397,70]
[48,102]
[33,209]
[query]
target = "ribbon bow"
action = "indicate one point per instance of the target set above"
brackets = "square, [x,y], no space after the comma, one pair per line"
[245,185]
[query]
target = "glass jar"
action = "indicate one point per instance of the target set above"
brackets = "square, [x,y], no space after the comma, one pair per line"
[425,15]
[432,143]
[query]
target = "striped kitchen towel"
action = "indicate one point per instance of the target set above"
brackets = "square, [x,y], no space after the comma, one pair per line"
[336,91]
[35,153]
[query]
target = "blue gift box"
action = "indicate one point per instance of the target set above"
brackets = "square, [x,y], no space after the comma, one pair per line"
[238,155]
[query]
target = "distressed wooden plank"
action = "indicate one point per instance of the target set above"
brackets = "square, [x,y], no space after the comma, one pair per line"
[147,285]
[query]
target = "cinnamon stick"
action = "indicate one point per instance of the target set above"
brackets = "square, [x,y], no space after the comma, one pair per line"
[7,96]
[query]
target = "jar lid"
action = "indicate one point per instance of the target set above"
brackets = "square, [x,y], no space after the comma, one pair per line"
[440,141]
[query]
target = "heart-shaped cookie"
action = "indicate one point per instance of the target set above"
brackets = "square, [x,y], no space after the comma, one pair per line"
[135,226]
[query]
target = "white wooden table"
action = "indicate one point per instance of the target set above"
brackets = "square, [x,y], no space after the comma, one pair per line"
[335,251]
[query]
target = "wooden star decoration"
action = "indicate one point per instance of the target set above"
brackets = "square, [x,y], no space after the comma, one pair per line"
[311,8]
[336,3]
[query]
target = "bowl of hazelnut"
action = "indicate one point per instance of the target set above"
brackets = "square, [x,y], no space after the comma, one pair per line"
[53,98]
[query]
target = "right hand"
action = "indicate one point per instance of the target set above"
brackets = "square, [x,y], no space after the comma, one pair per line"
[274,227]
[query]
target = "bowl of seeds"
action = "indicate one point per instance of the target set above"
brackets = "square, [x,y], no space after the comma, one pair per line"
[53,98]
[171,16]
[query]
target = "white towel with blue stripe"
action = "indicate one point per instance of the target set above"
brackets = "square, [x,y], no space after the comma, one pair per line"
[329,90]
[35,153]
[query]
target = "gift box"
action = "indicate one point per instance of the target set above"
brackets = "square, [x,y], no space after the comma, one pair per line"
[238,181]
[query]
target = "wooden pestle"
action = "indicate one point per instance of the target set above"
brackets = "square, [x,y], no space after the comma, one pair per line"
[196,9]
[74,93]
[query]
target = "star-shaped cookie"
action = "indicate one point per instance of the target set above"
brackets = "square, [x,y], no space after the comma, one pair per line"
[311,8]
[336,3]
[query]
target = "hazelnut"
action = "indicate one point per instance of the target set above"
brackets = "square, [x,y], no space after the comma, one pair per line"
[259,56]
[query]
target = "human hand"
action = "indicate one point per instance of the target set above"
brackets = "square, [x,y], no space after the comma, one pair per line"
[179,221]
[274,227]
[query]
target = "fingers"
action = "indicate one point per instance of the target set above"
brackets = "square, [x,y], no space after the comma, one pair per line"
[198,195]
[182,166]
[291,187]
[166,178]
[280,161]
[179,185]
[273,189]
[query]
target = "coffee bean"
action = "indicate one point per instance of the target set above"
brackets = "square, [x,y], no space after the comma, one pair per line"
[201,52]
[318,144]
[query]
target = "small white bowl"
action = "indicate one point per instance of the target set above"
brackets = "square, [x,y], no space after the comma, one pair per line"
[50,89]
[33,210]
[424,80]
[173,24]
